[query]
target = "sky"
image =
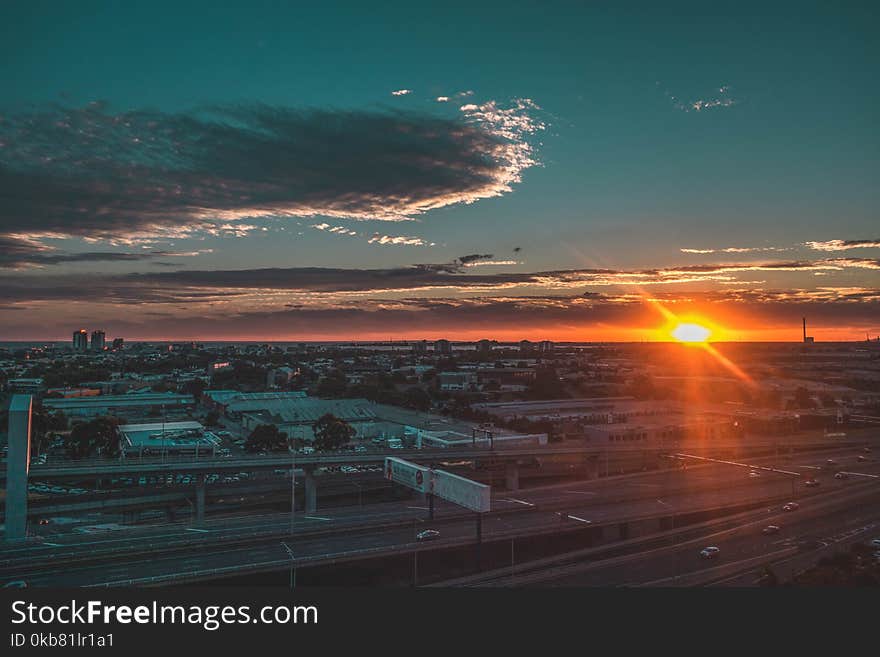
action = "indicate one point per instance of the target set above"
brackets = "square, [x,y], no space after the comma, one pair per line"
[538,170]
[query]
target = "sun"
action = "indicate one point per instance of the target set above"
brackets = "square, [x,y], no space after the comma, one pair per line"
[691,333]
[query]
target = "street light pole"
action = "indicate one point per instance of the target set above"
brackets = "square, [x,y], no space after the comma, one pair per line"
[291,446]
[292,566]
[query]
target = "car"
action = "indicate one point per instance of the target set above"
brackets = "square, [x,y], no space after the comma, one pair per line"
[754,474]
[862,458]
[770,529]
[15,584]
[791,506]
[841,475]
[710,552]
[360,448]
[45,521]
[427,535]
[811,483]
[866,449]
[875,543]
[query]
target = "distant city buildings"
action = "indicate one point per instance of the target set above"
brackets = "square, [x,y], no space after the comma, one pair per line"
[118,344]
[484,347]
[420,348]
[81,341]
[98,341]
[442,347]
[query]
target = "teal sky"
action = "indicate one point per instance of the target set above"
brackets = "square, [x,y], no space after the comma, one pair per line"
[660,127]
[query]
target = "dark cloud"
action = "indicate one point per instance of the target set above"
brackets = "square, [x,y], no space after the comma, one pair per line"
[194,286]
[22,253]
[93,173]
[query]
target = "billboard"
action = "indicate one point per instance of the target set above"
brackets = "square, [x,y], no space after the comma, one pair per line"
[415,476]
[458,490]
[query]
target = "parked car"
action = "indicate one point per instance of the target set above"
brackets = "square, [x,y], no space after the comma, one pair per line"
[427,535]
[15,584]
[875,543]
[862,458]
[770,529]
[811,483]
[791,506]
[841,475]
[710,552]
[754,474]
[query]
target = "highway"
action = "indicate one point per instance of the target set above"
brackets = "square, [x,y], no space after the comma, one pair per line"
[178,552]
[61,470]
[823,523]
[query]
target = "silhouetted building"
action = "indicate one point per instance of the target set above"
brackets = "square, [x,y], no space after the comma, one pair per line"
[420,348]
[98,340]
[80,341]
[442,347]
[545,347]
[484,346]
[118,344]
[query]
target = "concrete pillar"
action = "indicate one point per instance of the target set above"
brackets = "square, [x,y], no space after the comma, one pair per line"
[18,458]
[200,499]
[511,476]
[311,491]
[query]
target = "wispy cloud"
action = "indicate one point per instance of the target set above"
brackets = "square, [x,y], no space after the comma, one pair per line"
[22,253]
[844,245]
[401,92]
[398,239]
[736,249]
[336,230]
[721,97]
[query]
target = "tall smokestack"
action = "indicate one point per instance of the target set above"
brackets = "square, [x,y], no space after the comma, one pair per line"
[805,328]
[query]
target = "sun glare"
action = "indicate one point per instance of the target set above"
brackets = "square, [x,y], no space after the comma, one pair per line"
[693,333]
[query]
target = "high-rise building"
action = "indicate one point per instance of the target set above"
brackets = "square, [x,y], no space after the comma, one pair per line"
[98,340]
[420,348]
[442,347]
[80,341]
[118,344]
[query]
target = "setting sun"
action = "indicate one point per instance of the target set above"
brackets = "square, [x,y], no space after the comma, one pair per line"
[688,332]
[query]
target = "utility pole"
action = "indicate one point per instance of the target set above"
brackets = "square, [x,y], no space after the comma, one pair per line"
[291,445]
[292,566]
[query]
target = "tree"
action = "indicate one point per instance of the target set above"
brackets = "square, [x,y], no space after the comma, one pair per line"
[266,438]
[418,399]
[331,432]
[96,437]
[332,385]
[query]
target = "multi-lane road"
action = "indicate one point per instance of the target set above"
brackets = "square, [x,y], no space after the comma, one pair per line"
[181,552]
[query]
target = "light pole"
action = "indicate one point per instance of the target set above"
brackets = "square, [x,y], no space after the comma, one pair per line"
[291,446]
[292,566]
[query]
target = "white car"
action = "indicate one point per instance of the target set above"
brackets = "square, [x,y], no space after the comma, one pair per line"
[875,543]
[710,552]
[791,506]
[429,535]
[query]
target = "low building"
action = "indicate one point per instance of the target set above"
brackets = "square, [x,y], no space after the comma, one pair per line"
[167,438]
[457,381]
[131,405]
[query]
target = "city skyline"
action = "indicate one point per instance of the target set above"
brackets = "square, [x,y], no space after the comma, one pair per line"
[571,174]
